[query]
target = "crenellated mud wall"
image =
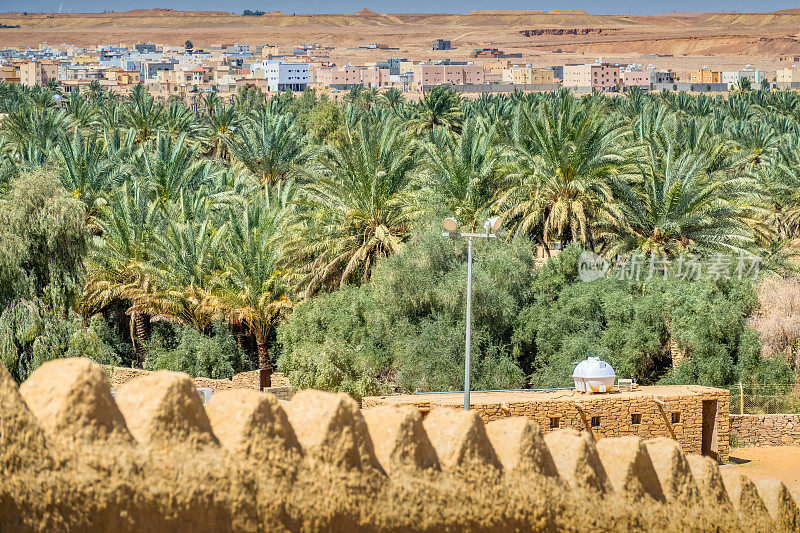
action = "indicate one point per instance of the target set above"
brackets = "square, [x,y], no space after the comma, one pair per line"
[72,457]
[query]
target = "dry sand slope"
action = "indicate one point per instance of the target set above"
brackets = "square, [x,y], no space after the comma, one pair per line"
[755,34]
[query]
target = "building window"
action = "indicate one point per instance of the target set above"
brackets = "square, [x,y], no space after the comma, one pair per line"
[555,422]
[595,421]
[676,418]
[636,419]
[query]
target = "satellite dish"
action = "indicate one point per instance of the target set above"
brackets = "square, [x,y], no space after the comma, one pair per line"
[450,224]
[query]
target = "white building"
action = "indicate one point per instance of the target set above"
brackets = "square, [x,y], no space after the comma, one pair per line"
[282,76]
[734,77]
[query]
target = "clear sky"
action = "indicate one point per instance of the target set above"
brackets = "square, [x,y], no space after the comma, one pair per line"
[394,6]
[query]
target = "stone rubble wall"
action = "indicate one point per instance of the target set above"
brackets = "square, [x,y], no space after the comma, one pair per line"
[153,458]
[766,430]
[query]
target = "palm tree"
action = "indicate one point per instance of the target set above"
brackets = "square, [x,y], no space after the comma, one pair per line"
[270,146]
[563,157]
[118,257]
[88,170]
[462,177]
[680,205]
[143,114]
[184,258]
[30,127]
[178,119]
[441,106]
[355,201]
[252,289]
[393,98]
[168,167]
[222,122]
[744,85]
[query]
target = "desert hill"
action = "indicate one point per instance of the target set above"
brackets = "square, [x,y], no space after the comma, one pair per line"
[529,32]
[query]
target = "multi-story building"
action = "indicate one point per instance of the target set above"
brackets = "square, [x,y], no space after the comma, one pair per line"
[146,48]
[788,78]
[592,77]
[495,66]
[9,74]
[349,76]
[151,68]
[558,72]
[393,64]
[734,77]
[662,76]
[124,78]
[238,49]
[636,78]
[33,73]
[282,76]
[441,44]
[705,76]
[447,75]
[527,76]
[172,80]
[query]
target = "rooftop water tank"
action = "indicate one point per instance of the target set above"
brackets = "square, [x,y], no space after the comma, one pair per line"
[593,375]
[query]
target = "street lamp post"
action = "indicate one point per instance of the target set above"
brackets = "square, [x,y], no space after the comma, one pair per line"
[451,225]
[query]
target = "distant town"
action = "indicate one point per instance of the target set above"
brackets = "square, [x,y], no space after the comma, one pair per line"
[187,70]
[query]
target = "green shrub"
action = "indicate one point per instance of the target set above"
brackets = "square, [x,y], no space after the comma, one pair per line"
[183,349]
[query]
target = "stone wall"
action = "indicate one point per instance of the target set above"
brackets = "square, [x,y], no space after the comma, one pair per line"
[602,415]
[119,376]
[153,458]
[766,430]
[281,393]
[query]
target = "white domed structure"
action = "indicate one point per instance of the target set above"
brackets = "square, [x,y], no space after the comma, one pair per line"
[593,375]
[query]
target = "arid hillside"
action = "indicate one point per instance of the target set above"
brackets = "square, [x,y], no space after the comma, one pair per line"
[532,33]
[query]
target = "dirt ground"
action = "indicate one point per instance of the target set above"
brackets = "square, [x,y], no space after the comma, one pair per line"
[779,462]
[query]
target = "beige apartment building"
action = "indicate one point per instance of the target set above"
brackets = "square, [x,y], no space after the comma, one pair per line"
[788,78]
[496,66]
[528,76]
[595,77]
[194,76]
[9,74]
[125,78]
[447,75]
[368,77]
[636,78]
[33,73]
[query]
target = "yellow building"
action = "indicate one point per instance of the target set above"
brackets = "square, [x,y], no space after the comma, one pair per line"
[705,76]
[83,60]
[9,74]
[788,77]
[496,66]
[124,78]
[528,76]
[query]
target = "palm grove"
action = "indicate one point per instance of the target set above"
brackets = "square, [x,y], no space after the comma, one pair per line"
[296,231]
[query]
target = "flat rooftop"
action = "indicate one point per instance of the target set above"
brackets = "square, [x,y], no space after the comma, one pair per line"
[506,397]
